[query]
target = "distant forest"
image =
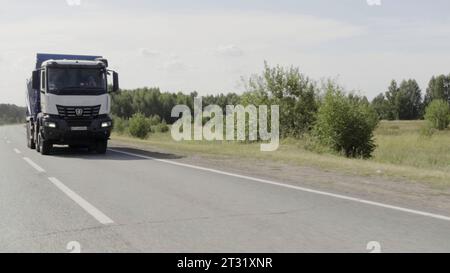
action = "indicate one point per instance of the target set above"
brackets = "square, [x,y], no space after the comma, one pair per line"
[10,114]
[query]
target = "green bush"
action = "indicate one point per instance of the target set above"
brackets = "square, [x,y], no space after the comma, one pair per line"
[293,91]
[161,127]
[120,125]
[139,126]
[346,124]
[438,114]
[155,120]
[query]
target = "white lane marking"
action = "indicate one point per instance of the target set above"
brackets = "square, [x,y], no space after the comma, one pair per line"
[34,165]
[8,142]
[17,151]
[339,196]
[93,211]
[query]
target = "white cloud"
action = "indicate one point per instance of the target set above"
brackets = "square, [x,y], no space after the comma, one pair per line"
[190,36]
[175,66]
[374,2]
[366,52]
[230,50]
[148,52]
[73,2]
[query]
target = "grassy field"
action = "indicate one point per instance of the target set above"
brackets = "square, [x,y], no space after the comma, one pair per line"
[402,143]
[403,152]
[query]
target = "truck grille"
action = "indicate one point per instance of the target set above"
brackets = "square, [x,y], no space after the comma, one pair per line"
[78,112]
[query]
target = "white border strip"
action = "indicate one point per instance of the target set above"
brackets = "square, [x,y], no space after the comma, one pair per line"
[97,214]
[339,196]
[34,165]
[17,151]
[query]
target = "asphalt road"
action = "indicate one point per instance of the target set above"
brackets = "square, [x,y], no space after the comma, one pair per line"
[120,202]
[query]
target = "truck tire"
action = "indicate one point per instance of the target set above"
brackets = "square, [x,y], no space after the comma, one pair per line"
[45,146]
[31,144]
[38,145]
[101,146]
[30,141]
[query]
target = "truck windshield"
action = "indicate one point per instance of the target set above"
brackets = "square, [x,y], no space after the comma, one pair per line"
[76,81]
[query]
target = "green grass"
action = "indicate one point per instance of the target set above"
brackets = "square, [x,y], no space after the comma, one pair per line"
[402,143]
[403,152]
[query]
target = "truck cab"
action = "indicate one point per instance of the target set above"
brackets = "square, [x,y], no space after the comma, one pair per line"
[69,103]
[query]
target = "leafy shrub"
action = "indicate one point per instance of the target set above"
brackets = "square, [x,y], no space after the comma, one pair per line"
[438,114]
[292,90]
[161,128]
[346,124]
[120,125]
[155,120]
[139,126]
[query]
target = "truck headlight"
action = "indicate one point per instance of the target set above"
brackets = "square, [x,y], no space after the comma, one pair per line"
[50,124]
[106,124]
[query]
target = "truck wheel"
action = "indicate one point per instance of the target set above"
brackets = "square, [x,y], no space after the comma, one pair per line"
[38,144]
[32,144]
[101,147]
[44,146]
[30,141]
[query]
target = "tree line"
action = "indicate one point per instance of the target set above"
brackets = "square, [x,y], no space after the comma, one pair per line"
[340,120]
[10,114]
[307,108]
[405,101]
[297,94]
[151,102]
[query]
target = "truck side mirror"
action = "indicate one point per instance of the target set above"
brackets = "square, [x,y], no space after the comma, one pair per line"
[115,82]
[35,81]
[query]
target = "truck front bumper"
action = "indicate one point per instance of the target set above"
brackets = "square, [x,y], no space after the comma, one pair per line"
[78,131]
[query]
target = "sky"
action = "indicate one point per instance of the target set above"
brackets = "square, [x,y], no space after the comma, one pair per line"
[209,46]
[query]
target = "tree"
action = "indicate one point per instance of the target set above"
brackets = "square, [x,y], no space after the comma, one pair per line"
[383,108]
[409,101]
[294,92]
[346,124]
[438,114]
[401,103]
[121,104]
[438,89]
[391,97]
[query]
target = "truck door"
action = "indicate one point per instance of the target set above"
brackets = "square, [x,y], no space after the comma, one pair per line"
[43,92]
